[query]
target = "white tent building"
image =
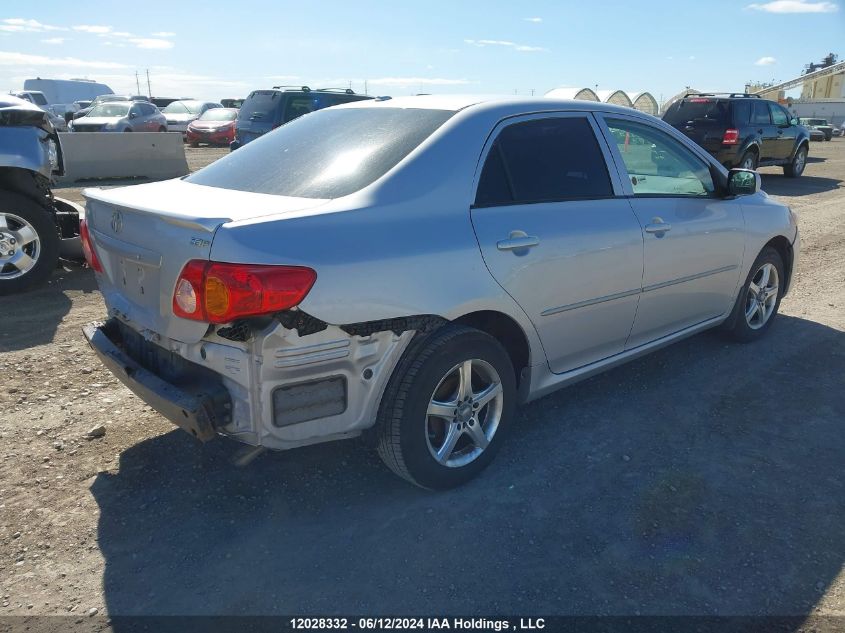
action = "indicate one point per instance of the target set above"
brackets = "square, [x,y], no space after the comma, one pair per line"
[642,101]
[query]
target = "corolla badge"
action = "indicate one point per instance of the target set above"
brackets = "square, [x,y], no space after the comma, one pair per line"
[117,221]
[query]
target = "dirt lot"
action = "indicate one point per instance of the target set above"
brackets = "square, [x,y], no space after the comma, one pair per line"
[704,479]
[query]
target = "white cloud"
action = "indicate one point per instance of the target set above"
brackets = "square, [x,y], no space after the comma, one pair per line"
[164,34]
[505,44]
[17,25]
[534,20]
[765,61]
[417,81]
[92,28]
[795,6]
[147,42]
[54,40]
[21,59]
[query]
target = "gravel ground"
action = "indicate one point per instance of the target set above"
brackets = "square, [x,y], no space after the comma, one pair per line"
[703,479]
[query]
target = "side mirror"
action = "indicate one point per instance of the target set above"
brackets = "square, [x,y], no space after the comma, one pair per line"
[743,182]
[793,121]
[132,115]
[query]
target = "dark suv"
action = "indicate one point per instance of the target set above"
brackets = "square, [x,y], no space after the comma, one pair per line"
[264,110]
[742,130]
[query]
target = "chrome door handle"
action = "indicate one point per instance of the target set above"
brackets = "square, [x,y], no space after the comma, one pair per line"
[517,240]
[658,226]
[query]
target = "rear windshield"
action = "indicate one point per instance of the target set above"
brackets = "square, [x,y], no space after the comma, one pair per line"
[219,114]
[183,107]
[326,154]
[110,109]
[698,111]
[816,122]
[260,105]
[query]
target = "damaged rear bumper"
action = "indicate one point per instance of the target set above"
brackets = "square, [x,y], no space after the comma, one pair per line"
[199,406]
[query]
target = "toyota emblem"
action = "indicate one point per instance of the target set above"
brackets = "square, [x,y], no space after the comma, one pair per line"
[117,221]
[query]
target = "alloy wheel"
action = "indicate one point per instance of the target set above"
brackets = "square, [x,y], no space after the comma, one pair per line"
[762,296]
[799,162]
[20,246]
[464,413]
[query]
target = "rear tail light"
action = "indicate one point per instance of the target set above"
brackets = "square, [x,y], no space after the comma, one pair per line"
[88,247]
[217,292]
[731,137]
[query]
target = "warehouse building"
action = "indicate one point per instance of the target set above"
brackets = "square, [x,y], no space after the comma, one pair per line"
[642,101]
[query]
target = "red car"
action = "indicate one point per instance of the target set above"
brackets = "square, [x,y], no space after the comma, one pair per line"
[215,127]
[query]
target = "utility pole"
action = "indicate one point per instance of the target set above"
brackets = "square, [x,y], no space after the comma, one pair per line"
[532,92]
[149,89]
[137,83]
[365,87]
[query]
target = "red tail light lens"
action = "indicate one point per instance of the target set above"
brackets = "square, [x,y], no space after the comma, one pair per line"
[731,137]
[88,247]
[218,292]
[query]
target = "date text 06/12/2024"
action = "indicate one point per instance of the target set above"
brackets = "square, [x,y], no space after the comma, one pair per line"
[408,624]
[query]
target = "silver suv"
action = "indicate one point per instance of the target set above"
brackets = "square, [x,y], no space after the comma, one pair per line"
[412,269]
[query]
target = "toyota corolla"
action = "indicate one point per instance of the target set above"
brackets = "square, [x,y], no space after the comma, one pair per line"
[412,269]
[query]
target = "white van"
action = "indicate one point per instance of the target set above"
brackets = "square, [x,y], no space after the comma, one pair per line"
[61,93]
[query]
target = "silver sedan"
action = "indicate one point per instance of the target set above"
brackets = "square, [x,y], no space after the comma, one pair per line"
[412,269]
[121,116]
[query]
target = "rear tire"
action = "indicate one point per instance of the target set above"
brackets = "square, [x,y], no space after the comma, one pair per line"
[759,298]
[35,249]
[749,160]
[162,129]
[796,166]
[436,428]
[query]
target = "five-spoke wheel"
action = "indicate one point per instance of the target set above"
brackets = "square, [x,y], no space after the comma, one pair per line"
[446,407]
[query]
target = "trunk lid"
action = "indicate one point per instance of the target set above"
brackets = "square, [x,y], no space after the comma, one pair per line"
[145,234]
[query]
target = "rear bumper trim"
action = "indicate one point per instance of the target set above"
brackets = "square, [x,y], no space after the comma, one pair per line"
[199,415]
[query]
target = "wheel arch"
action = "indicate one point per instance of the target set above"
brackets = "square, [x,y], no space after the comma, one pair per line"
[505,330]
[784,249]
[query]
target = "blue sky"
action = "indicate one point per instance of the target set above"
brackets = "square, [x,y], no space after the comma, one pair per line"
[219,49]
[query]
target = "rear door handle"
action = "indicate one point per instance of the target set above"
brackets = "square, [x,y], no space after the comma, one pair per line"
[658,226]
[517,240]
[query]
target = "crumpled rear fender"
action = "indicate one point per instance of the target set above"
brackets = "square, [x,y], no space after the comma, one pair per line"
[23,147]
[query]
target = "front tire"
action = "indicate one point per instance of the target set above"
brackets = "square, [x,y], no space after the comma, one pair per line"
[29,243]
[446,408]
[759,299]
[796,167]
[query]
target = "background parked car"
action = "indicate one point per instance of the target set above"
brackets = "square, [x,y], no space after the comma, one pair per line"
[121,116]
[818,124]
[106,99]
[180,113]
[215,127]
[38,99]
[742,130]
[35,227]
[264,110]
[816,135]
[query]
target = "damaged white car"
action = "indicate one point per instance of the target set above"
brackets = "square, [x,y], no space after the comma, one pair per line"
[414,268]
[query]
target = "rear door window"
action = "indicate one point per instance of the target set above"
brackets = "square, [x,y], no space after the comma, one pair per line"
[760,114]
[544,160]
